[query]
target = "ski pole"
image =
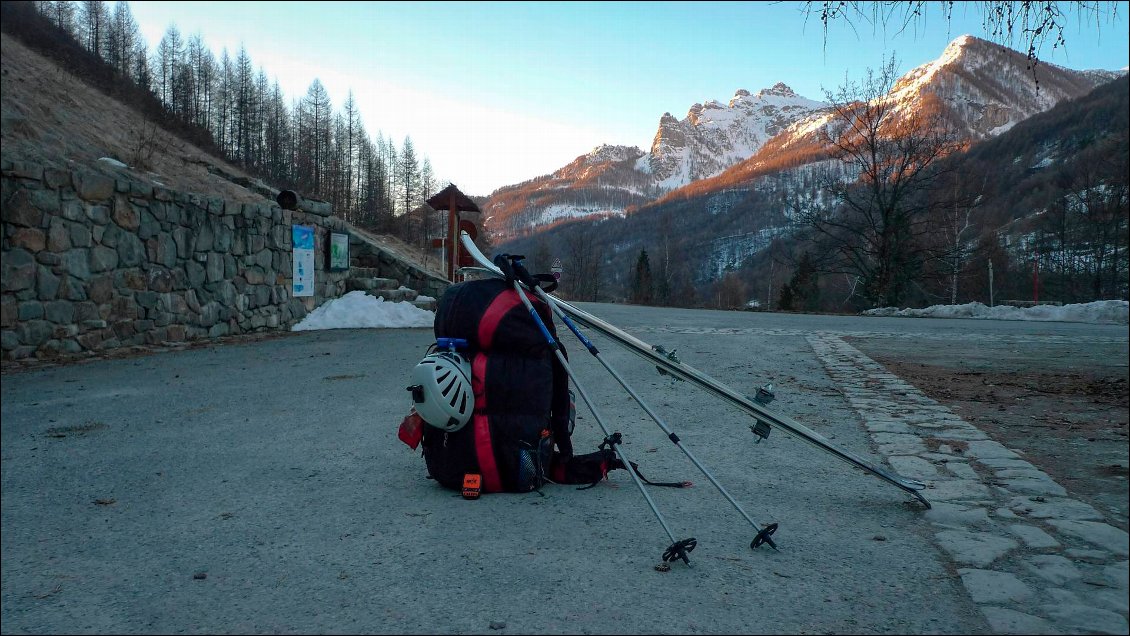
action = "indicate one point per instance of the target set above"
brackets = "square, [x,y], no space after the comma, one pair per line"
[678,548]
[763,534]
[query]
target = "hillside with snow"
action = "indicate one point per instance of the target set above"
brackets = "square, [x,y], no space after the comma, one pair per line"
[1021,144]
[981,88]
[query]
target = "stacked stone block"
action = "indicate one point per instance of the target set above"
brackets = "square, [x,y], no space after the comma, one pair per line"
[383,263]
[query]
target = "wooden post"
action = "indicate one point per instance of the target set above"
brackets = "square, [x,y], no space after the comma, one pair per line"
[455,202]
[452,240]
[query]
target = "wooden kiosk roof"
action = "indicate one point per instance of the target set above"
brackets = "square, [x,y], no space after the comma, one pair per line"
[451,198]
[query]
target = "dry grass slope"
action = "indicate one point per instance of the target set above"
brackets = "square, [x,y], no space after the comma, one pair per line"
[53,118]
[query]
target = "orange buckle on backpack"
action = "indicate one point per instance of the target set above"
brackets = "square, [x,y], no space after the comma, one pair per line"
[472,485]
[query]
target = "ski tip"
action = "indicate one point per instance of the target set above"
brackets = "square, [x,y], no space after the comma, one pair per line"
[922,499]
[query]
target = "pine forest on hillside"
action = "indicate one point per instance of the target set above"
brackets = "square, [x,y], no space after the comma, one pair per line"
[225,105]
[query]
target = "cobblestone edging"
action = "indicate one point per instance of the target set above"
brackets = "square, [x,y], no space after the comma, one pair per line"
[1033,559]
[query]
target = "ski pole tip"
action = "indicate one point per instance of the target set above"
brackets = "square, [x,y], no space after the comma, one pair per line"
[765,536]
[679,550]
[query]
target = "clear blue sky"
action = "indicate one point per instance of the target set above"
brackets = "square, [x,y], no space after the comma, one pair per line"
[497,93]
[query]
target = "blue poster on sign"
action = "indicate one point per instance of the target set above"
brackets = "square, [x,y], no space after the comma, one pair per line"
[303,236]
[303,260]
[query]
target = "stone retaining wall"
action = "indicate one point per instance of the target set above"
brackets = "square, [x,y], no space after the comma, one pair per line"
[94,262]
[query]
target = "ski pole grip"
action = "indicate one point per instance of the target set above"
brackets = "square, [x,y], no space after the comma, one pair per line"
[502,262]
[522,274]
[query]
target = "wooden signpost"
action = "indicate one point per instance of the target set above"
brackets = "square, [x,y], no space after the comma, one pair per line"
[454,201]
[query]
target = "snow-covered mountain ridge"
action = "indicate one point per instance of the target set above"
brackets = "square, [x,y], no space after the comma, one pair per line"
[981,87]
[713,137]
[612,179]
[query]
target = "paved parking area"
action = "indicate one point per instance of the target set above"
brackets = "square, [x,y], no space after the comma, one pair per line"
[260,487]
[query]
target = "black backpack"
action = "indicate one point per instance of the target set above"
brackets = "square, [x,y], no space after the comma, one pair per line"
[520,434]
[522,400]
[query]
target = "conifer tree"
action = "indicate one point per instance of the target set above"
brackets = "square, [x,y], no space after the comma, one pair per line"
[642,286]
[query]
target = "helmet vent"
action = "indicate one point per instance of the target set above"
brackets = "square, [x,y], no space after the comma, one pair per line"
[447,388]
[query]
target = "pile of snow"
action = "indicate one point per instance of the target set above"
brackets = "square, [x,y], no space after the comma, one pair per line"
[1100,311]
[358,310]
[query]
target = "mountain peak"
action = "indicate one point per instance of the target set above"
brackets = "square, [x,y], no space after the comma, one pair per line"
[610,152]
[980,87]
[962,41]
[964,45]
[780,88]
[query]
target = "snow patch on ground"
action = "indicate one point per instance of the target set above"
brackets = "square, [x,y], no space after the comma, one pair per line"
[113,162]
[1100,311]
[358,310]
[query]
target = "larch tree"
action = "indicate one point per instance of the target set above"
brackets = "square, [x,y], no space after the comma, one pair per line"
[169,52]
[94,18]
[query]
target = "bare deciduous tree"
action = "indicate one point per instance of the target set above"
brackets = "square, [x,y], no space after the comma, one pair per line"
[582,279]
[61,12]
[306,146]
[122,36]
[169,53]
[95,21]
[1083,235]
[872,226]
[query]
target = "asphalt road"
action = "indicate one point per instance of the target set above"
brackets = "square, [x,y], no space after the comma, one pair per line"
[261,488]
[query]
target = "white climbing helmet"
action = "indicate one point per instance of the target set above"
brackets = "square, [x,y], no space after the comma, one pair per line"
[442,392]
